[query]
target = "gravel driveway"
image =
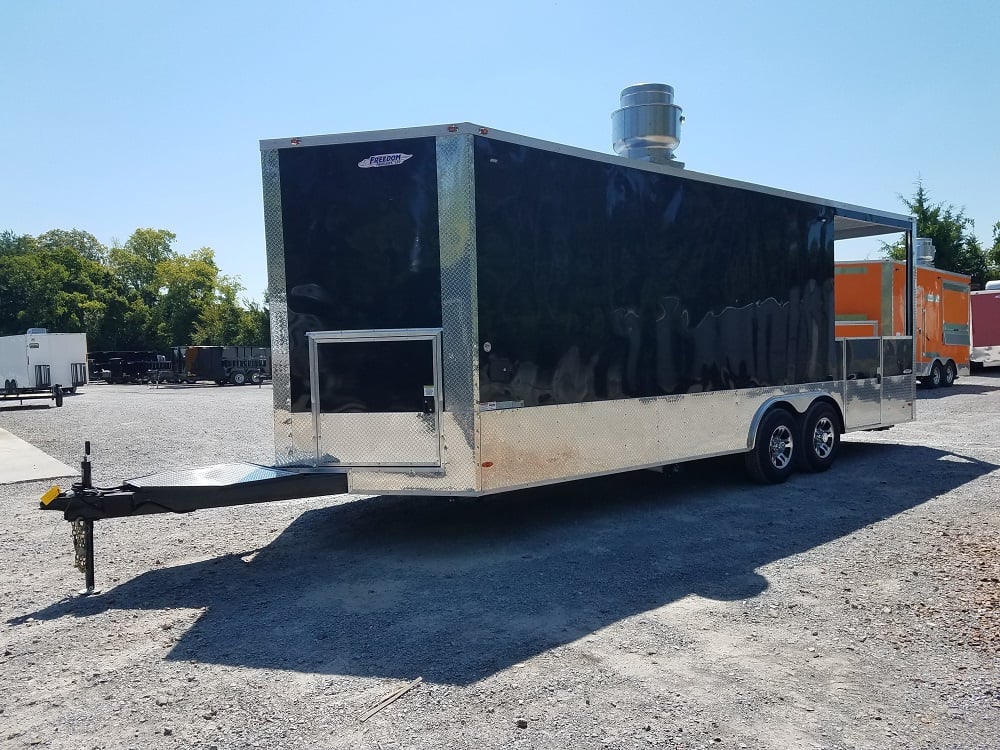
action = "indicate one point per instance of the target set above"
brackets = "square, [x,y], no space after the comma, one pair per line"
[854,609]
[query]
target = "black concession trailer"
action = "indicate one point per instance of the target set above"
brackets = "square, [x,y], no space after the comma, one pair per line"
[458,310]
[461,310]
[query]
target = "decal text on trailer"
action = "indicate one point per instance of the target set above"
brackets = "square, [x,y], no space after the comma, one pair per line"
[384,160]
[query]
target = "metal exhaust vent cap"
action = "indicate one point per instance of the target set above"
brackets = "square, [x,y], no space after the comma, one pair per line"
[648,125]
[924,251]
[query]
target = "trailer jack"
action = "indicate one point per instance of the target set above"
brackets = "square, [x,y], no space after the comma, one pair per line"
[177,491]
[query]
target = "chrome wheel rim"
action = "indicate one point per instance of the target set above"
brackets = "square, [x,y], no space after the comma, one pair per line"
[780,448]
[823,437]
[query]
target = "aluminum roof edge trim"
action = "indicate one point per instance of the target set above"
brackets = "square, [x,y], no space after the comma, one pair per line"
[892,221]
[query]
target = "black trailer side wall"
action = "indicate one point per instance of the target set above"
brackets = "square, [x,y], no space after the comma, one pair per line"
[596,280]
[602,281]
[361,252]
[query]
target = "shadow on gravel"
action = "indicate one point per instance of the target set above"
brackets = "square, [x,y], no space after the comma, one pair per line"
[959,389]
[457,590]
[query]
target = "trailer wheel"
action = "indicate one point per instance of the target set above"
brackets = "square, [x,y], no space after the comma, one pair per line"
[820,438]
[950,374]
[238,378]
[256,378]
[936,378]
[772,459]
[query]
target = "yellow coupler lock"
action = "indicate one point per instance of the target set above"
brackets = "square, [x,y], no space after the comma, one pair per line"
[50,495]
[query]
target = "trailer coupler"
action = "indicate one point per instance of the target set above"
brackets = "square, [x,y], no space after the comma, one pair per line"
[177,491]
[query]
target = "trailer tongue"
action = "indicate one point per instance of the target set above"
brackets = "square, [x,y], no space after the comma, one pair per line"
[178,491]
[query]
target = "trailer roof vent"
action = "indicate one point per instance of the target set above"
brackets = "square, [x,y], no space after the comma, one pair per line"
[992,286]
[647,127]
[924,251]
[37,331]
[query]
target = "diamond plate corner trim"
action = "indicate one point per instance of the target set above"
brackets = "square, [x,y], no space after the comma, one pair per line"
[287,448]
[459,296]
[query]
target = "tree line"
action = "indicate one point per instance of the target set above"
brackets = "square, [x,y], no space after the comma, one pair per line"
[142,294]
[957,248]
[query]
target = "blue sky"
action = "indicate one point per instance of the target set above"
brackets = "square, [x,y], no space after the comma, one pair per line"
[124,114]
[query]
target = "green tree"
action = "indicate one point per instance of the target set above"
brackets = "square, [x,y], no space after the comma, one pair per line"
[951,231]
[16,244]
[30,287]
[135,262]
[84,243]
[187,284]
[140,295]
[255,324]
[220,321]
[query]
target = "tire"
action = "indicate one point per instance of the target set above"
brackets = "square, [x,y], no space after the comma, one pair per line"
[772,459]
[936,378]
[819,439]
[238,377]
[950,374]
[256,378]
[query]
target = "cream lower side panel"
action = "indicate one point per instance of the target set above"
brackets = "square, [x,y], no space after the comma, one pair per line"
[537,445]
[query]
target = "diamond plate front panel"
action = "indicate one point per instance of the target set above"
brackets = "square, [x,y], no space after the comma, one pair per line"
[294,444]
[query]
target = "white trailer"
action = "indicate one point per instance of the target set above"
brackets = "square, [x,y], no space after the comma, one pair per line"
[38,361]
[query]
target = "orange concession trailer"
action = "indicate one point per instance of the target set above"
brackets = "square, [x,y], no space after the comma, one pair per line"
[869,300]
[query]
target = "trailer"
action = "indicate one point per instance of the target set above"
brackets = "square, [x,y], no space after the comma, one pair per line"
[870,300]
[458,310]
[38,361]
[985,306]
[125,366]
[220,364]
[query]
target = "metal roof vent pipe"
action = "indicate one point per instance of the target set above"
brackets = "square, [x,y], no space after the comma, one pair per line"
[924,251]
[648,125]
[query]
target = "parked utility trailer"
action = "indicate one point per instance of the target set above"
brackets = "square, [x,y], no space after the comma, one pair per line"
[986,327]
[871,298]
[37,361]
[125,366]
[459,310]
[222,364]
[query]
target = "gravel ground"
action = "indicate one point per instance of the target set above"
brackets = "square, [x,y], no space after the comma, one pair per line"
[854,609]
